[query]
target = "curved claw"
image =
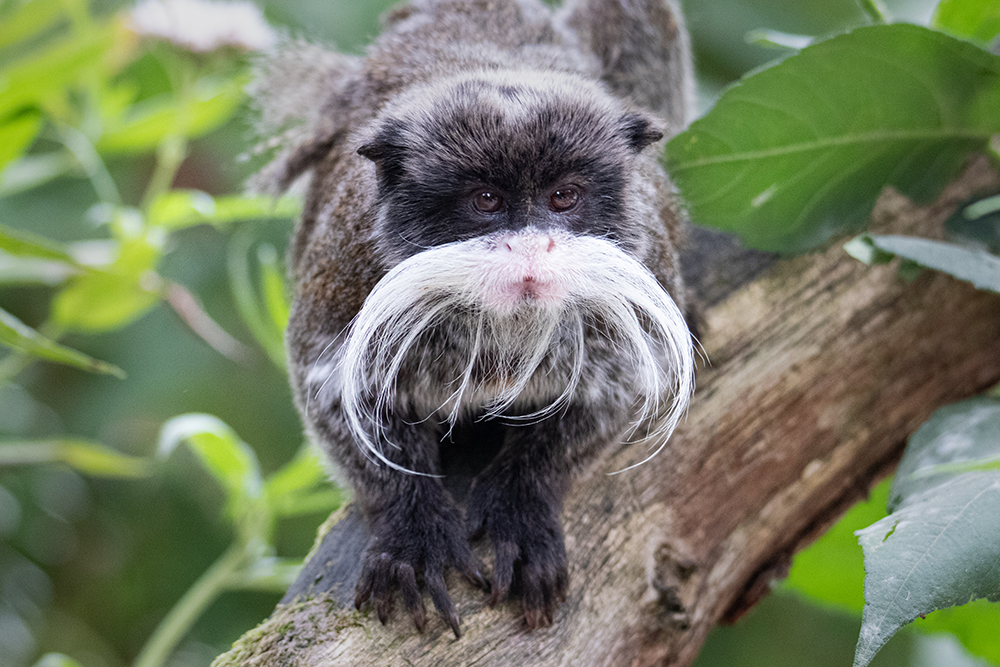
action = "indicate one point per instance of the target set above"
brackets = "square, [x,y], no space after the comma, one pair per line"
[439,594]
[405,576]
[503,571]
[542,593]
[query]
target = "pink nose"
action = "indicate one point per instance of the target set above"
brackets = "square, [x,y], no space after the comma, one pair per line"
[532,243]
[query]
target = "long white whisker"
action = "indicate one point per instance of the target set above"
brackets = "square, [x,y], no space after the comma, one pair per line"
[509,341]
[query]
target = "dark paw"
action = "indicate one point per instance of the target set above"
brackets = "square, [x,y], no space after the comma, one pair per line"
[530,557]
[399,555]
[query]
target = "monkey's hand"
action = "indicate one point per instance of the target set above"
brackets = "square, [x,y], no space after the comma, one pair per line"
[420,540]
[523,525]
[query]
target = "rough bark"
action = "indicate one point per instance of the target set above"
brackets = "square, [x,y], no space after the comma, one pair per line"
[819,370]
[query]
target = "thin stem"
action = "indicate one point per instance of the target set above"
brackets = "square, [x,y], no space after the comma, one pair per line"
[173,148]
[169,156]
[187,306]
[17,361]
[83,150]
[189,608]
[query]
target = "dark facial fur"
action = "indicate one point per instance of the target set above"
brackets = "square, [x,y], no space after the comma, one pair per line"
[488,247]
[519,138]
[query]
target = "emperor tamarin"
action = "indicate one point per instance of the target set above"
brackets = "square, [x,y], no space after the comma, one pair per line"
[488,253]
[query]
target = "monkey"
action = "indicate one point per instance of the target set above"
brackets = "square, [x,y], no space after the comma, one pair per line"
[488,256]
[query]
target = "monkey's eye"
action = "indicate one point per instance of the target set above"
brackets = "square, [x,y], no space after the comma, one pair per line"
[564,199]
[487,202]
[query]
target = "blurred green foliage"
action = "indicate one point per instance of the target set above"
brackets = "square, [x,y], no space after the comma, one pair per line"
[117,219]
[125,249]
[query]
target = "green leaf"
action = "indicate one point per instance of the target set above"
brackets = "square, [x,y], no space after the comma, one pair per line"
[797,153]
[28,20]
[26,271]
[975,19]
[235,208]
[101,301]
[225,456]
[122,290]
[774,39]
[939,549]
[25,244]
[178,209]
[91,458]
[151,121]
[978,267]
[301,487]
[831,571]
[57,660]
[862,249]
[269,336]
[32,80]
[17,335]
[958,438]
[17,136]
[272,284]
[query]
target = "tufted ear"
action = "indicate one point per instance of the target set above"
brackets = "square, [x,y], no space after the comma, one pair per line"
[387,150]
[639,131]
[301,91]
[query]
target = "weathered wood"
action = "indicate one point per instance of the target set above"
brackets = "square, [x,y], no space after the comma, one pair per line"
[820,369]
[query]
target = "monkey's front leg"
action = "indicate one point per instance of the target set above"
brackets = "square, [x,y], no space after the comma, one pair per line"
[416,530]
[517,501]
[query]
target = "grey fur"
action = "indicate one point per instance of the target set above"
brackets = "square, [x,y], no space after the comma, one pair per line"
[459,97]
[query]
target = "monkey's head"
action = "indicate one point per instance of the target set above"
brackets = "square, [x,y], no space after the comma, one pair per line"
[511,212]
[498,154]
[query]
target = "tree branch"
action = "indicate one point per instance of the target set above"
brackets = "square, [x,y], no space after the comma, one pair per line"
[820,369]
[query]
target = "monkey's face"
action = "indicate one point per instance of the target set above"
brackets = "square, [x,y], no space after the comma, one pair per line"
[493,155]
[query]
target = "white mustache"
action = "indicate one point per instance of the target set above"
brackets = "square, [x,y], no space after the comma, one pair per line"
[564,280]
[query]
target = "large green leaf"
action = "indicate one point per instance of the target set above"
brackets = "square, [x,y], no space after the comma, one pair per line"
[19,336]
[958,438]
[940,548]
[976,19]
[797,153]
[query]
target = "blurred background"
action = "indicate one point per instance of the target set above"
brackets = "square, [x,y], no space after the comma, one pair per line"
[91,564]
